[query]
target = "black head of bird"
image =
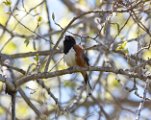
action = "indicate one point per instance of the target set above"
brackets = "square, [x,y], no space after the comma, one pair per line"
[69,42]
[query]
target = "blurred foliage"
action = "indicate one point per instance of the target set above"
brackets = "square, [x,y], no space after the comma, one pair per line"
[2,111]
[4,14]
[22,110]
[147,54]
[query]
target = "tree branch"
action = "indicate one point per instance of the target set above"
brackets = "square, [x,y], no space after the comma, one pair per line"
[79,69]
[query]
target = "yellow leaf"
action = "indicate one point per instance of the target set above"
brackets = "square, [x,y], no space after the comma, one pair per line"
[122,46]
[10,48]
[112,82]
[108,96]
[147,55]
[82,2]
[22,110]
[1,111]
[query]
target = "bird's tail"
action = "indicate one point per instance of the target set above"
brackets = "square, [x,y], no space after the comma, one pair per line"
[87,82]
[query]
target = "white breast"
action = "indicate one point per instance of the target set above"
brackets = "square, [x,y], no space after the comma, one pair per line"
[69,58]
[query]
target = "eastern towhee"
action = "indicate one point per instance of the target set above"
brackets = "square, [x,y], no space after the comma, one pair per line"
[75,56]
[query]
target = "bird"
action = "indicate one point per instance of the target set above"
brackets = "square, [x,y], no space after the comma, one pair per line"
[74,55]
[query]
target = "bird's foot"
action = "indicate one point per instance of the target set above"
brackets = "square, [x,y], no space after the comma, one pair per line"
[72,67]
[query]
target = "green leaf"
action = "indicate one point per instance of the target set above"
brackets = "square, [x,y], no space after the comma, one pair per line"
[36,58]
[69,84]
[26,42]
[7,2]
[53,16]
[39,19]
[126,51]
